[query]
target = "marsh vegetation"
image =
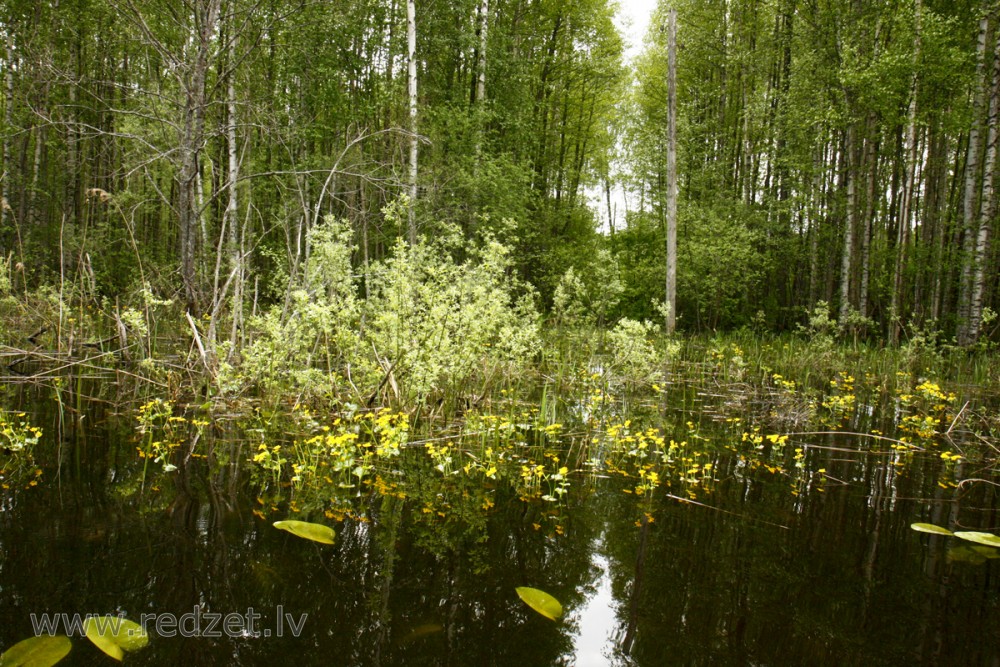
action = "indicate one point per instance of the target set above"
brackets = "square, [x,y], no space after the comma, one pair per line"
[356,311]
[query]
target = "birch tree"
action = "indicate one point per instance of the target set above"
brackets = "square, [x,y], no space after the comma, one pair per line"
[411,86]
[671,170]
[988,208]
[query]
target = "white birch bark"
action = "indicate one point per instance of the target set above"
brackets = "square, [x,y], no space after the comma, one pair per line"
[411,49]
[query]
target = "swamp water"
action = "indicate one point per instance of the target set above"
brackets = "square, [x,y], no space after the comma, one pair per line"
[693,527]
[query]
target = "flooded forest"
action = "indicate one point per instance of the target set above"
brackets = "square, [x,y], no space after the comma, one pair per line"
[499,332]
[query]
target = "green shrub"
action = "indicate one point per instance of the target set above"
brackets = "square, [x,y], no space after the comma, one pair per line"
[632,350]
[307,345]
[430,325]
[438,325]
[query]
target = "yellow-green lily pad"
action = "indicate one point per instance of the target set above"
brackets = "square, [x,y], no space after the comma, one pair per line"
[43,651]
[115,635]
[316,532]
[988,539]
[930,528]
[540,601]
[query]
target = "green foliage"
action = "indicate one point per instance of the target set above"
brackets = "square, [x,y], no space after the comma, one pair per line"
[438,325]
[115,635]
[588,295]
[540,601]
[318,328]
[431,324]
[632,350]
[721,267]
[315,532]
[820,328]
[41,651]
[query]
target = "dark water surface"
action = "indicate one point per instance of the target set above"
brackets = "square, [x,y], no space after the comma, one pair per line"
[756,574]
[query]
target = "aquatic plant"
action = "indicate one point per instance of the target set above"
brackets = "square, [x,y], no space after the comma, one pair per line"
[43,651]
[315,532]
[840,402]
[115,635]
[540,601]
[17,434]
[18,439]
[923,409]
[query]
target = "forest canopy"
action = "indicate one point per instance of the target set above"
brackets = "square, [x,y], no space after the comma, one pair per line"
[837,154]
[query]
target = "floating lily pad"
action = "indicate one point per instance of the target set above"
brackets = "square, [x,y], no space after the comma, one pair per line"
[988,539]
[115,635]
[316,532]
[41,651]
[540,601]
[930,528]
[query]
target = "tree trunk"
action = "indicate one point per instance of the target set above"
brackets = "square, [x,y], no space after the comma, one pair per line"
[969,199]
[987,209]
[191,140]
[871,160]
[607,199]
[909,185]
[484,14]
[6,169]
[671,170]
[230,220]
[848,256]
[480,90]
[411,49]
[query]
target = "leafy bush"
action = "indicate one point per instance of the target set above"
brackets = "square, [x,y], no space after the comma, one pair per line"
[438,325]
[430,325]
[588,296]
[320,324]
[633,353]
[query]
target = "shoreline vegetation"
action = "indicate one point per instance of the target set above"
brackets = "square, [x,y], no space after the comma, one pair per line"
[427,266]
[350,239]
[453,359]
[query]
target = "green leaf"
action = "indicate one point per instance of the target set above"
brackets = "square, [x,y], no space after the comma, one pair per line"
[316,532]
[988,539]
[540,601]
[930,528]
[114,635]
[36,652]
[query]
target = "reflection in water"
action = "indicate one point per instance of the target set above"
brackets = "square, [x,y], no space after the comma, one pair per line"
[816,568]
[595,618]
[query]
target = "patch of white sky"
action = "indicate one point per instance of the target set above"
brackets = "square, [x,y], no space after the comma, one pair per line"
[632,21]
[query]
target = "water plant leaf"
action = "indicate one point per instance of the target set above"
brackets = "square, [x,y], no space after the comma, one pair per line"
[988,539]
[41,651]
[114,635]
[540,601]
[930,528]
[316,532]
